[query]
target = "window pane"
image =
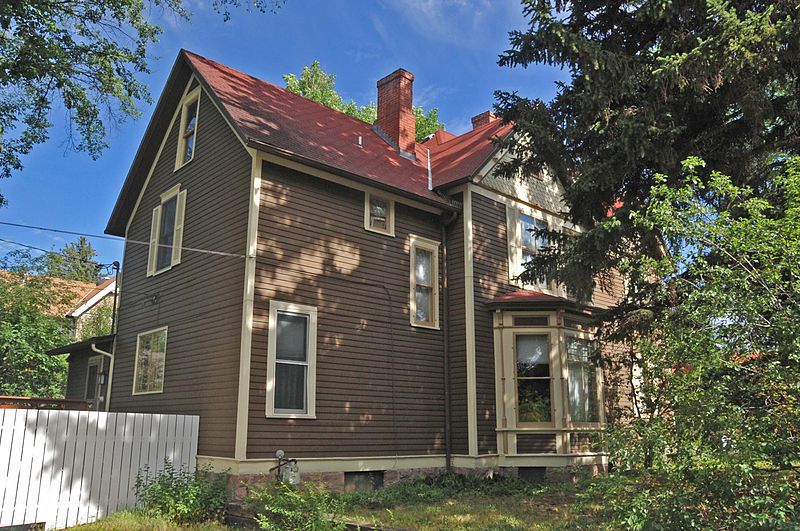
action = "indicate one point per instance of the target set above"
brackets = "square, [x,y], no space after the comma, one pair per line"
[188,151]
[533,359]
[583,405]
[422,266]
[378,213]
[166,233]
[150,362]
[533,400]
[530,240]
[291,337]
[191,119]
[290,387]
[578,349]
[424,303]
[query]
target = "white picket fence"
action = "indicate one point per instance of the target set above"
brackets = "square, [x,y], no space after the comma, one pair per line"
[71,467]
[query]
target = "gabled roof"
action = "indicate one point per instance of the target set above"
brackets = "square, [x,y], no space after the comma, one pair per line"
[94,295]
[273,119]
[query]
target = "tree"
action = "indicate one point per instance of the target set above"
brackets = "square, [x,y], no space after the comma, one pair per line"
[85,55]
[651,83]
[715,441]
[31,322]
[317,85]
[76,261]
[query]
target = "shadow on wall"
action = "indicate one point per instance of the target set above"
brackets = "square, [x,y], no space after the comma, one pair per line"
[70,467]
[379,380]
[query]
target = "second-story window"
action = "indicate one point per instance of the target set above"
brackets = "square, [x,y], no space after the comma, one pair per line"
[424,304]
[166,231]
[523,243]
[188,132]
[378,214]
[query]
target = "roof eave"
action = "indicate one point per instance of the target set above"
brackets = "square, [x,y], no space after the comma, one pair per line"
[260,145]
[80,345]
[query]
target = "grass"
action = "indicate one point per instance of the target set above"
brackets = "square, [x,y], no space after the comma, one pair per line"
[464,502]
[140,520]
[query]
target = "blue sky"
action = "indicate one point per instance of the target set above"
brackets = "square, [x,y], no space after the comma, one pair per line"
[451,46]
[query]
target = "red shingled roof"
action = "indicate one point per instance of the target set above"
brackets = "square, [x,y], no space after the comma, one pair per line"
[266,114]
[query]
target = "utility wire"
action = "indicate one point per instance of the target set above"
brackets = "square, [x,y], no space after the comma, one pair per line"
[109,237]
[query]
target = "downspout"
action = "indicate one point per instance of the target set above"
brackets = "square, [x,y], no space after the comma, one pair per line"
[448,450]
[110,356]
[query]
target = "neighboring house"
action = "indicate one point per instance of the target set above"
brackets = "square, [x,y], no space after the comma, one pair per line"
[307,282]
[90,354]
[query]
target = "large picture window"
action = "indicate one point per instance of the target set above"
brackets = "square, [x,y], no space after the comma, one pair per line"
[151,355]
[291,377]
[424,303]
[166,231]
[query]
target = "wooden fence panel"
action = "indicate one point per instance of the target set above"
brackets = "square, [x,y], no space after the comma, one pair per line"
[65,468]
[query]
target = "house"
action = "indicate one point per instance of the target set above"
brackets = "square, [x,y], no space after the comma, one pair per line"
[310,283]
[90,353]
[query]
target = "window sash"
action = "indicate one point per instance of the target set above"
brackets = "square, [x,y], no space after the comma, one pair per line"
[166,233]
[190,117]
[583,393]
[150,365]
[424,306]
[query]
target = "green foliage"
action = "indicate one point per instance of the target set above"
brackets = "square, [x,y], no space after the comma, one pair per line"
[82,56]
[31,322]
[183,497]
[317,85]
[98,322]
[280,507]
[139,520]
[715,440]
[76,261]
[651,83]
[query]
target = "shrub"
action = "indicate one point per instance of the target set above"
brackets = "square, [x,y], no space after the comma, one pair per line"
[281,507]
[182,497]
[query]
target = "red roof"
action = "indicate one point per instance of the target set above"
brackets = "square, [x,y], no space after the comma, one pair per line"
[527,296]
[266,114]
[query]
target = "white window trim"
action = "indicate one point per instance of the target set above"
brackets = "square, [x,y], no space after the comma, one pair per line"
[311,382]
[389,214]
[433,247]
[188,100]
[598,382]
[136,361]
[155,231]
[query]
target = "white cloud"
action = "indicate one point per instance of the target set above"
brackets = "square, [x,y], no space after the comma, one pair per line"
[455,22]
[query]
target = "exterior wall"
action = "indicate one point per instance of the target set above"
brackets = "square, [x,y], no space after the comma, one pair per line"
[379,385]
[200,299]
[458,341]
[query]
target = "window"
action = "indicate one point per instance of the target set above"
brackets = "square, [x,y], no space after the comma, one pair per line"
[151,352]
[424,303]
[582,381]
[92,377]
[533,378]
[166,231]
[188,131]
[524,243]
[378,214]
[291,368]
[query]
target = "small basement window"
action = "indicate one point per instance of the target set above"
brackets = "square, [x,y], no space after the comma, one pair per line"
[363,481]
[378,214]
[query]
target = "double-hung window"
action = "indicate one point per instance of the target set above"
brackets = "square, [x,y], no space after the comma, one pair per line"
[534,374]
[291,356]
[190,109]
[151,354]
[582,384]
[378,214]
[524,241]
[166,231]
[424,298]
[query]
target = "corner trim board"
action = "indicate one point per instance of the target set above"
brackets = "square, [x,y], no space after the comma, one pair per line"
[469,300]
[243,395]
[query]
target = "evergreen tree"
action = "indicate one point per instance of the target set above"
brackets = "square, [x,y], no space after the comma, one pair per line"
[651,83]
[76,261]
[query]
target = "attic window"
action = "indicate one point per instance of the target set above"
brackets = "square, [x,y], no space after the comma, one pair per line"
[190,110]
[378,214]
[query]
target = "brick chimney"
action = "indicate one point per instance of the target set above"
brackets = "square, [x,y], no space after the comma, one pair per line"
[395,121]
[483,119]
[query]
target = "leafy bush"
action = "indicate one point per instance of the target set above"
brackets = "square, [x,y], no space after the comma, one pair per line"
[182,497]
[281,507]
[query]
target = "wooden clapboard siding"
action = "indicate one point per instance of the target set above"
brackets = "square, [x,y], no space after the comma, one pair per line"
[65,468]
[76,375]
[379,380]
[458,345]
[200,299]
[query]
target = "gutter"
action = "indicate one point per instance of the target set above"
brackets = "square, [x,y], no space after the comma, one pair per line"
[448,446]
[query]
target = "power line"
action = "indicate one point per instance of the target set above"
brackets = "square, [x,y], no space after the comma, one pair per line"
[114,238]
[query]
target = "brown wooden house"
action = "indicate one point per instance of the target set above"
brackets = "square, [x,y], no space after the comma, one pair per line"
[308,282]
